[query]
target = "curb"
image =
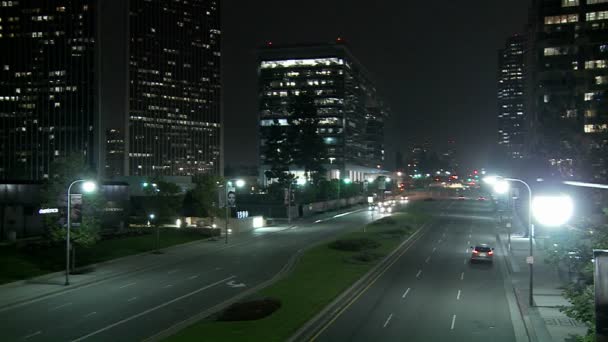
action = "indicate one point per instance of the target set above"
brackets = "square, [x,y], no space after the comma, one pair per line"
[315,324]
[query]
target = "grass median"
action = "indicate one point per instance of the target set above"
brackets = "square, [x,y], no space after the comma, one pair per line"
[18,263]
[321,274]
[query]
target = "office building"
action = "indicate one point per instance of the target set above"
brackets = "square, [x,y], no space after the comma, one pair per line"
[75,74]
[174,89]
[511,97]
[350,115]
[570,78]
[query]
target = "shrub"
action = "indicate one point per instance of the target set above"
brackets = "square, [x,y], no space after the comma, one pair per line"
[250,310]
[354,245]
[386,220]
[365,257]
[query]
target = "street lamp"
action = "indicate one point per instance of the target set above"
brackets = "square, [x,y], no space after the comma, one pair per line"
[87,187]
[547,209]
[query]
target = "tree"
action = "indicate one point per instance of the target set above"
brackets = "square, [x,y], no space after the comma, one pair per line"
[163,199]
[278,152]
[202,201]
[310,151]
[577,254]
[64,171]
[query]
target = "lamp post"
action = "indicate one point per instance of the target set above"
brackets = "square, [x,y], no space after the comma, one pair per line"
[87,186]
[548,210]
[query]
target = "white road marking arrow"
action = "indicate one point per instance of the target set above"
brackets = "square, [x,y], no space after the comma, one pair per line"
[235,285]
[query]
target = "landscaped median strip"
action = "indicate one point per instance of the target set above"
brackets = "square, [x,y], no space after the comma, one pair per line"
[321,274]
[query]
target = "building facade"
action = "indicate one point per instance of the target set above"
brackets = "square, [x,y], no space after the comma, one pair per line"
[350,115]
[174,89]
[511,97]
[570,78]
[48,85]
[75,73]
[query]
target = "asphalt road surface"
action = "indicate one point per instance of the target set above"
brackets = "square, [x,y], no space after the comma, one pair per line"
[142,304]
[433,292]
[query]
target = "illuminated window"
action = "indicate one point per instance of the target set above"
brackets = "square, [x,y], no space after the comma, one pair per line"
[601,15]
[301,62]
[280,122]
[569,3]
[596,64]
[593,2]
[601,80]
[600,128]
[556,51]
[561,19]
[590,96]
[590,113]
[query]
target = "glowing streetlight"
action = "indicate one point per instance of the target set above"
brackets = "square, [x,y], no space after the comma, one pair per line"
[501,187]
[552,210]
[301,181]
[240,183]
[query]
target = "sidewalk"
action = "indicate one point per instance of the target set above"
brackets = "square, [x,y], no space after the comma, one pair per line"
[544,321]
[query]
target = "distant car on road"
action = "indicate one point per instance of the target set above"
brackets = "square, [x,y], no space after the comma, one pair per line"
[461,197]
[482,252]
[481,198]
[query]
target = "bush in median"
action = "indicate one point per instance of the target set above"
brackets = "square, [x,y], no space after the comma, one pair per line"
[354,245]
[250,310]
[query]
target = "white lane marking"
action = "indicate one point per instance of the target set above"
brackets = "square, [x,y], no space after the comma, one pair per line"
[465,261]
[466,250]
[469,236]
[406,292]
[97,332]
[127,285]
[458,295]
[428,259]
[418,274]
[32,335]
[193,277]
[462,276]
[453,322]
[168,286]
[218,268]
[434,249]
[388,320]
[132,299]
[439,241]
[318,221]
[443,235]
[344,214]
[90,314]
[468,243]
[60,306]
[172,271]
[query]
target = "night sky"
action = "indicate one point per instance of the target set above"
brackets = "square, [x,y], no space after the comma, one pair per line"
[434,62]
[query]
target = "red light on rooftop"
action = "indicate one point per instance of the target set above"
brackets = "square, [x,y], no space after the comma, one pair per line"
[339,39]
[269,43]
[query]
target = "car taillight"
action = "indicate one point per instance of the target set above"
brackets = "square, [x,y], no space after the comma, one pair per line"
[490,252]
[475,251]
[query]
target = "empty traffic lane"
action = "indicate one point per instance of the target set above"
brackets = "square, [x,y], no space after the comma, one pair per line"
[434,293]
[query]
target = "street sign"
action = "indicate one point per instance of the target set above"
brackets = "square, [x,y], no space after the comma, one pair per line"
[530,260]
[370,200]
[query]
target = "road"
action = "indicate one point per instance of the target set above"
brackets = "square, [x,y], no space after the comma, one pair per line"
[433,292]
[139,305]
